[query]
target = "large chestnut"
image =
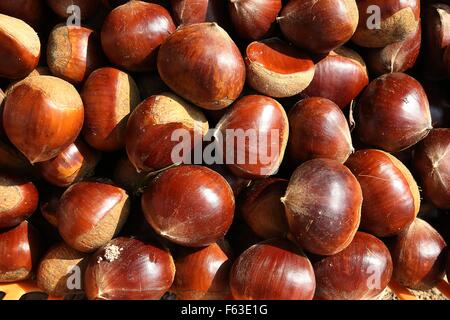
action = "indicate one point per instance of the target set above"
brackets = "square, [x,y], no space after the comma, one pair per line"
[272,270]
[318,129]
[132,33]
[393,113]
[359,272]
[278,69]
[319,26]
[91,213]
[190,205]
[109,96]
[323,206]
[197,11]
[128,269]
[87,7]
[42,116]
[432,164]
[212,78]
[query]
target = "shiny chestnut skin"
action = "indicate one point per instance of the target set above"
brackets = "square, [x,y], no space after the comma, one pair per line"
[432,165]
[318,129]
[418,255]
[87,7]
[132,33]
[32,12]
[391,198]
[323,206]
[128,269]
[190,205]
[19,199]
[359,272]
[197,11]
[253,19]
[19,249]
[42,116]
[272,270]
[393,113]
[236,183]
[109,96]
[91,213]
[211,79]
[319,26]
[20,48]
[266,118]
[340,76]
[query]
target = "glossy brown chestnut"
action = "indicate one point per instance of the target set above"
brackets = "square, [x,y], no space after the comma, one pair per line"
[391,21]
[190,205]
[128,269]
[393,113]
[432,165]
[202,274]
[19,249]
[211,79]
[418,254]
[197,11]
[323,206]
[42,116]
[255,132]
[318,129]
[87,7]
[278,69]
[359,272]
[132,33]
[153,125]
[253,19]
[18,200]
[32,12]
[20,48]
[91,213]
[340,77]
[61,271]
[236,183]
[319,26]
[109,96]
[272,270]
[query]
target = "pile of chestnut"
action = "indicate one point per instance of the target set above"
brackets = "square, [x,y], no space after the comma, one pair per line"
[355,195]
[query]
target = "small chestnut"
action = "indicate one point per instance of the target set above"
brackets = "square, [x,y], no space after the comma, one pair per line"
[197,11]
[87,8]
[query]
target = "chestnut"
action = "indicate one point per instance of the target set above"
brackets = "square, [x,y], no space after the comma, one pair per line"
[318,129]
[72,165]
[253,19]
[418,254]
[61,271]
[398,19]
[19,199]
[151,128]
[263,122]
[132,33]
[49,205]
[128,269]
[432,164]
[340,77]
[42,116]
[88,8]
[236,183]
[323,206]
[202,273]
[319,26]
[448,266]
[109,95]
[277,69]
[19,249]
[393,113]
[212,78]
[197,11]
[20,48]
[91,213]
[32,12]
[272,270]
[189,205]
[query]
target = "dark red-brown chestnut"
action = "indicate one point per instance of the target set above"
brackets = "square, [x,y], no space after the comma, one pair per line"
[32,12]
[197,11]
[236,183]
[87,8]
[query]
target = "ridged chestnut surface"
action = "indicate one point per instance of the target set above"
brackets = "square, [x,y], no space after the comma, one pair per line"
[190,205]
[393,113]
[323,206]
[212,78]
[359,272]
[318,129]
[272,270]
[391,198]
[128,269]
[87,7]
[197,11]
[278,69]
